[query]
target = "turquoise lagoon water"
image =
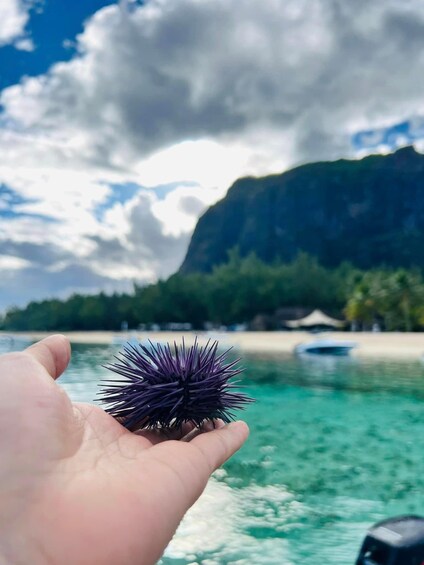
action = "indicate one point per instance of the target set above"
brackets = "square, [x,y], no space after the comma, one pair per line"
[336,444]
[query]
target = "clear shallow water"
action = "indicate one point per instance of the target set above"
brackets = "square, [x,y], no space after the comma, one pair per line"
[336,444]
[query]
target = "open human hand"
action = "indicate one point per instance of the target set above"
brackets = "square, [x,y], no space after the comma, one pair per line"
[76,487]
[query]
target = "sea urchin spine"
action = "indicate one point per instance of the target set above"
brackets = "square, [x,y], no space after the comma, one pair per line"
[164,387]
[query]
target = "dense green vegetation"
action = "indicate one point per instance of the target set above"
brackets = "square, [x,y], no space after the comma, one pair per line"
[236,292]
[393,298]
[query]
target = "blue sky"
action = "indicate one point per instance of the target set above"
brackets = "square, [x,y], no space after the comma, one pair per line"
[53,26]
[121,122]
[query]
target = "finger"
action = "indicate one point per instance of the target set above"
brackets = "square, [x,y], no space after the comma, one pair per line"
[220,444]
[181,471]
[53,353]
[158,436]
[186,432]
[193,462]
[208,426]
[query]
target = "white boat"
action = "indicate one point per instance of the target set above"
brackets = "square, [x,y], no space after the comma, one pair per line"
[325,347]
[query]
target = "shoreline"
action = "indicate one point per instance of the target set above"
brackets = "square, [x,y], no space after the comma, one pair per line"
[407,346]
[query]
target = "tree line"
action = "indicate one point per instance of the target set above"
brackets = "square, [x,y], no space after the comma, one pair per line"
[236,292]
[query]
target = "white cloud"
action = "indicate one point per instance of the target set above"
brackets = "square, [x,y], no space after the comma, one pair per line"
[181,208]
[134,241]
[13,19]
[146,80]
[194,92]
[25,44]
[227,74]
[9,262]
[206,162]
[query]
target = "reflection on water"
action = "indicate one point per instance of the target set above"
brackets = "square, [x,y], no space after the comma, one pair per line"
[336,444]
[338,373]
[266,525]
[81,379]
[11,342]
[237,528]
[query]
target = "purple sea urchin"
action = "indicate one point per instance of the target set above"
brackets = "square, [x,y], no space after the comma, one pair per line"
[164,386]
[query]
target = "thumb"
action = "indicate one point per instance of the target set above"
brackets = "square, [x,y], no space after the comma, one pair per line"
[53,353]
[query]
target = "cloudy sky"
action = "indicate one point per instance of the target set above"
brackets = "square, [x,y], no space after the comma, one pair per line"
[121,122]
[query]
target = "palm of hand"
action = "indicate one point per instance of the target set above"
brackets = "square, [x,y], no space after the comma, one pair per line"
[76,486]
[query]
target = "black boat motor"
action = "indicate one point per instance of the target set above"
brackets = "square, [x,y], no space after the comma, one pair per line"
[396,541]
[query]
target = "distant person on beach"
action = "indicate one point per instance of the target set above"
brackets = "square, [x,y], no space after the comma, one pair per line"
[76,487]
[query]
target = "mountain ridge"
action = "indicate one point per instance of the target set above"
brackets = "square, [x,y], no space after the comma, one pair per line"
[369,212]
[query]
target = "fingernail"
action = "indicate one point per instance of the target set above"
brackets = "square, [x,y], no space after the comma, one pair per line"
[240,424]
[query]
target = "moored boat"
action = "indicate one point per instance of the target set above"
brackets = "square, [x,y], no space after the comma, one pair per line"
[325,347]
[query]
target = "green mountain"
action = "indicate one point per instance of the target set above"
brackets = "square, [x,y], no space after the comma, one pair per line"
[369,212]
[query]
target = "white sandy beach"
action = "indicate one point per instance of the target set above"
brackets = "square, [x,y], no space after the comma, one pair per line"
[393,345]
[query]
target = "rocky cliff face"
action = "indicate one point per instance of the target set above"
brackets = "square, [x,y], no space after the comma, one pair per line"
[369,212]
